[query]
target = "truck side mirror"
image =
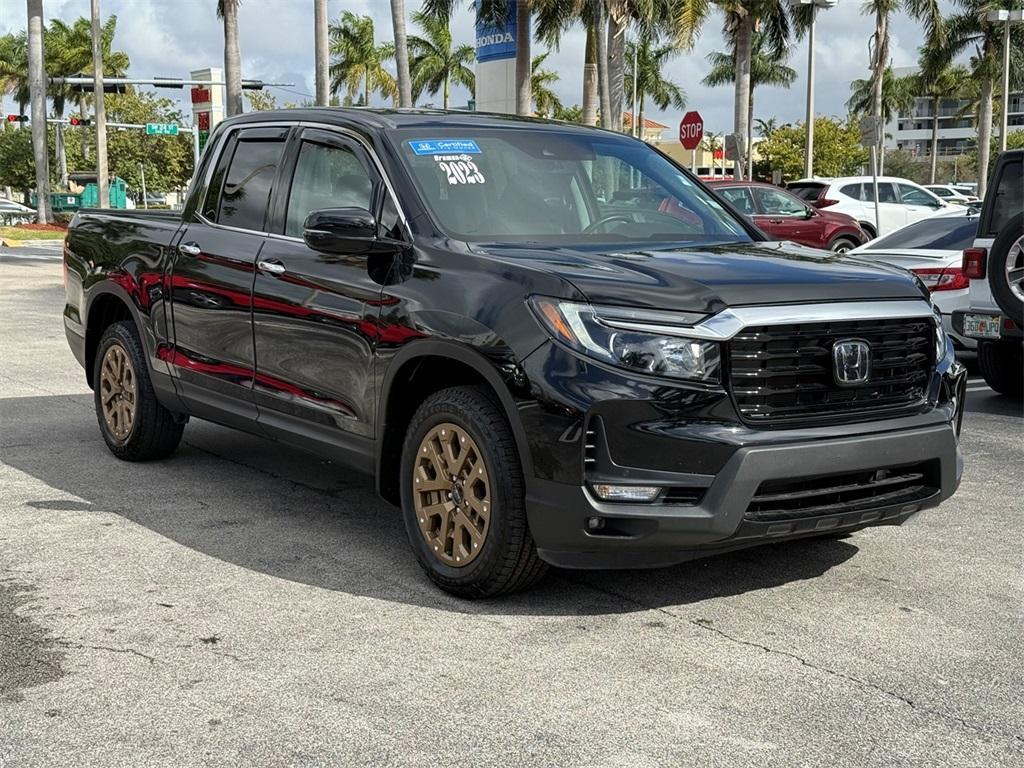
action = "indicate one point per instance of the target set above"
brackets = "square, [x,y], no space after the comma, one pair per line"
[341,230]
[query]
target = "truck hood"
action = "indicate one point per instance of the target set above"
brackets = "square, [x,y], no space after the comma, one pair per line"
[707,279]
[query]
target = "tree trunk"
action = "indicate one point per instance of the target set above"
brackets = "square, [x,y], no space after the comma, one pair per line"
[640,117]
[524,94]
[935,139]
[446,90]
[741,106]
[320,48]
[366,88]
[590,78]
[877,80]
[402,55]
[37,89]
[83,134]
[603,74]
[61,149]
[232,59]
[617,22]
[984,134]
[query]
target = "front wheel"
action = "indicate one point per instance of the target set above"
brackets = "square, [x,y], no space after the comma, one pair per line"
[135,426]
[463,496]
[1002,366]
[842,244]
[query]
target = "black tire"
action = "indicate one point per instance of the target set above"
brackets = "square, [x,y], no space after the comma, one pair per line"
[842,244]
[1002,366]
[1011,304]
[508,560]
[155,431]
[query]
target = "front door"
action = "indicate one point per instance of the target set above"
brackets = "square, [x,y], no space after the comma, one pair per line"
[314,314]
[785,217]
[211,280]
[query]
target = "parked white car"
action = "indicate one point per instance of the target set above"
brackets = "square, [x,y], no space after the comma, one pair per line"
[933,250]
[900,201]
[951,194]
[12,212]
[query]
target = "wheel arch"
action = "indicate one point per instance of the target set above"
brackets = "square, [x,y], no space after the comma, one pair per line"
[869,229]
[109,305]
[426,367]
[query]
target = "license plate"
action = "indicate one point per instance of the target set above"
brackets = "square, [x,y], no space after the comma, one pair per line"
[982,326]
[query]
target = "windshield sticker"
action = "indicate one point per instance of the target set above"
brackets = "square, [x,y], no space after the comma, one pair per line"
[444,146]
[459,169]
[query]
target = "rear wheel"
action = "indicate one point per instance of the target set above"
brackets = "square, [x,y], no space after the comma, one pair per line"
[1002,366]
[842,244]
[133,423]
[463,496]
[1006,269]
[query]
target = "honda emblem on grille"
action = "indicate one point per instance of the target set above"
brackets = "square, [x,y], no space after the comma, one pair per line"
[851,360]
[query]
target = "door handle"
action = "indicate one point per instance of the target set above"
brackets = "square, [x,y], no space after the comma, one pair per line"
[273,268]
[190,249]
[774,221]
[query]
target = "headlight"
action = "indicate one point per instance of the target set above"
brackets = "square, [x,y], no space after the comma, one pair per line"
[616,335]
[940,337]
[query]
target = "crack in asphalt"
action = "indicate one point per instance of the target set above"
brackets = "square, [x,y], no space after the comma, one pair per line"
[140,654]
[706,625]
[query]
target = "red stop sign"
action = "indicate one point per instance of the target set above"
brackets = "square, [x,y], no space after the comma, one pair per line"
[691,130]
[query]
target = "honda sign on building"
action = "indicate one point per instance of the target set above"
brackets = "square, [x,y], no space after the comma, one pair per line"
[496,64]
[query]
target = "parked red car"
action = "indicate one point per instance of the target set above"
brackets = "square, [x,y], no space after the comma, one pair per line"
[786,217]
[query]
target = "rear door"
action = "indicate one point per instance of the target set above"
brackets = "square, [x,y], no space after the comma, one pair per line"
[916,202]
[212,275]
[315,314]
[892,213]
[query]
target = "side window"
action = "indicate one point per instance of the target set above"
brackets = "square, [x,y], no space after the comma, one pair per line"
[886,194]
[1008,196]
[248,178]
[326,176]
[856,191]
[739,197]
[913,196]
[779,203]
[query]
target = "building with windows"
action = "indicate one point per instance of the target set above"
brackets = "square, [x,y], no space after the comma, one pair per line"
[911,130]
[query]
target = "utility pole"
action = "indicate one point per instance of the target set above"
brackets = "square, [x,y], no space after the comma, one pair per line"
[100,112]
[37,94]
[809,121]
[320,51]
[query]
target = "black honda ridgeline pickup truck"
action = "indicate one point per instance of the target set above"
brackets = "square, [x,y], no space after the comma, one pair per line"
[549,343]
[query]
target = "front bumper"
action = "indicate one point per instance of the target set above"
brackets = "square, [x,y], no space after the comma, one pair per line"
[644,535]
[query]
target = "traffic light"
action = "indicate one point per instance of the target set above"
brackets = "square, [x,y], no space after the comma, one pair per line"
[80,121]
[17,118]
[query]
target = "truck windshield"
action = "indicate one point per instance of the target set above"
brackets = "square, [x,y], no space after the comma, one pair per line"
[531,185]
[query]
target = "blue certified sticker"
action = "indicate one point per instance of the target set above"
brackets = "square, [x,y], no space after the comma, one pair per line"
[444,147]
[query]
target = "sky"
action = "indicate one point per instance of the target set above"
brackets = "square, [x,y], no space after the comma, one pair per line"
[168,38]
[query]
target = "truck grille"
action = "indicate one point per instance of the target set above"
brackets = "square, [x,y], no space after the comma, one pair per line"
[778,500]
[783,374]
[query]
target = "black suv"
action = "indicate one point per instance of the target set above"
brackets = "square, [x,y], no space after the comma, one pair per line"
[550,343]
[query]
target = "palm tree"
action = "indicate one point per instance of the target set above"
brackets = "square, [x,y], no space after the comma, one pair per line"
[766,126]
[358,60]
[742,18]
[897,96]
[967,30]
[69,52]
[547,103]
[950,83]
[553,18]
[402,54]
[767,67]
[228,11]
[14,68]
[495,12]
[646,17]
[435,63]
[650,61]
[925,11]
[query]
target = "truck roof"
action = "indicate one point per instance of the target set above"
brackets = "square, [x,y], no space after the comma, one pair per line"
[369,118]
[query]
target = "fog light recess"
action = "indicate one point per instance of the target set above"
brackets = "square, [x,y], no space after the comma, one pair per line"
[636,493]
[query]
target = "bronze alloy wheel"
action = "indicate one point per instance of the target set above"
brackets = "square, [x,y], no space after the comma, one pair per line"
[118,391]
[452,494]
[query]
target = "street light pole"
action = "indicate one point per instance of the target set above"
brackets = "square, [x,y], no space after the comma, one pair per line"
[99,110]
[809,120]
[1008,18]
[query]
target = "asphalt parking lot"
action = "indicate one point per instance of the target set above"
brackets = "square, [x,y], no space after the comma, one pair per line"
[245,604]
